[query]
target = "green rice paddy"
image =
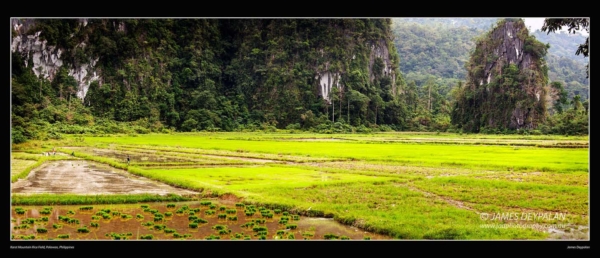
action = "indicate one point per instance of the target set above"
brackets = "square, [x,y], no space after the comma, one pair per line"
[406,186]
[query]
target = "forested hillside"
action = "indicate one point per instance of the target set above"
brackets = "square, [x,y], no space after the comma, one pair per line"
[564,66]
[506,86]
[102,76]
[204,74]
[433,53]
[439,47]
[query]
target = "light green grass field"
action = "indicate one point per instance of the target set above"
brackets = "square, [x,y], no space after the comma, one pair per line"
[409,186]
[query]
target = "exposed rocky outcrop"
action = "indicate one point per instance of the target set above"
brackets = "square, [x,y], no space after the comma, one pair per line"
[377,50]
[47,59]
[507,81]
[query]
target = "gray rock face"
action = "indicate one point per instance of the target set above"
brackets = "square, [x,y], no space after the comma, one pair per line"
[328,79]
[506,46]
[47,59]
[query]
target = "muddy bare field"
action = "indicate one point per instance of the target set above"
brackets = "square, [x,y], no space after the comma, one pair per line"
[91,178]
[136,227]
[88,178]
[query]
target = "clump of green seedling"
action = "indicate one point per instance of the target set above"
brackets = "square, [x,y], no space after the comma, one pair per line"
[70,212]
[259,228]
[63,236]
[145,206]
[148,224]
[291,226]
[169,230]
[344,238]
[30,237]
[46,210]
[212,206]
[168,214]
[86,208]
[240,205]
[56,226]
[219,227]
[42,230]
[366,238]
[295,217]
[30,221]
[248,225]
[209,212]
[24,226]
[170,205]
[83,230]
[20,210]
[231,211]
[283,220]
[201,221]
[148,236]
[259,221]
[331,236]
[159,227]
[232,218]
[222,208]
[94,225]
[193,225]
[192,218]
[307,235]
[211,237]
[139,216]
[277,211]
[222,216]
[205,203]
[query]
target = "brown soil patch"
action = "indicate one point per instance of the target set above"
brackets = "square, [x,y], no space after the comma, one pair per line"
[84,177]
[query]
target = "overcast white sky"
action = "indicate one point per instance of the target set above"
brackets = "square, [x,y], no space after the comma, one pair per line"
[534,24]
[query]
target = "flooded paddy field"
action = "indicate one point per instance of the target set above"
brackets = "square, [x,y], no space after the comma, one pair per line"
[198,220]
[88,178]
[403,186]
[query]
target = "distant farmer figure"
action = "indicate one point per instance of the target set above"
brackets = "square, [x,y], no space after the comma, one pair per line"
[73,153]
[128,160]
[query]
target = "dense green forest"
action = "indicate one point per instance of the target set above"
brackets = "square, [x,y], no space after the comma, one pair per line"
[215,74]
[433,53]
[439,47]
[164,75]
